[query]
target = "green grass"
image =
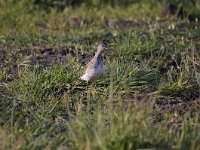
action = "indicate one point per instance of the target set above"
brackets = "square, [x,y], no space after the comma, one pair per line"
[147,98]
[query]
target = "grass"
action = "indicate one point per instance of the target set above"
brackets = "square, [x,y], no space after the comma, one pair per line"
[148,96]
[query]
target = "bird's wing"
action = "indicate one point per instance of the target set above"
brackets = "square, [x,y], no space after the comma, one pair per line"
[89,65]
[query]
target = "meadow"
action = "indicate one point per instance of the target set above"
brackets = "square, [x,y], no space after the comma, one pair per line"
[147,98]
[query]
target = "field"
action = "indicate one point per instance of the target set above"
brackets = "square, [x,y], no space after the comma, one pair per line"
[147,98]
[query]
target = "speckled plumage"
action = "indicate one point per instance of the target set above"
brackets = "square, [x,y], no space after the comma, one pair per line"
[94,68]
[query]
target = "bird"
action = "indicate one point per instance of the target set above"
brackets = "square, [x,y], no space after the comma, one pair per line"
[94,69]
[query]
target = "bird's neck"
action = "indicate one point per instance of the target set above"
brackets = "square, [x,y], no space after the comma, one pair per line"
[98,52]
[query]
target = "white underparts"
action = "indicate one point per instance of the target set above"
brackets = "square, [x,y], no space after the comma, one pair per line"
[92,74]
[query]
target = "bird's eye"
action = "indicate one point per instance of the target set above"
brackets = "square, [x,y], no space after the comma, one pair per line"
[104,45]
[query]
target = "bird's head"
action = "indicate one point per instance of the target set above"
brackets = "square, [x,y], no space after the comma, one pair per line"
[103,45]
